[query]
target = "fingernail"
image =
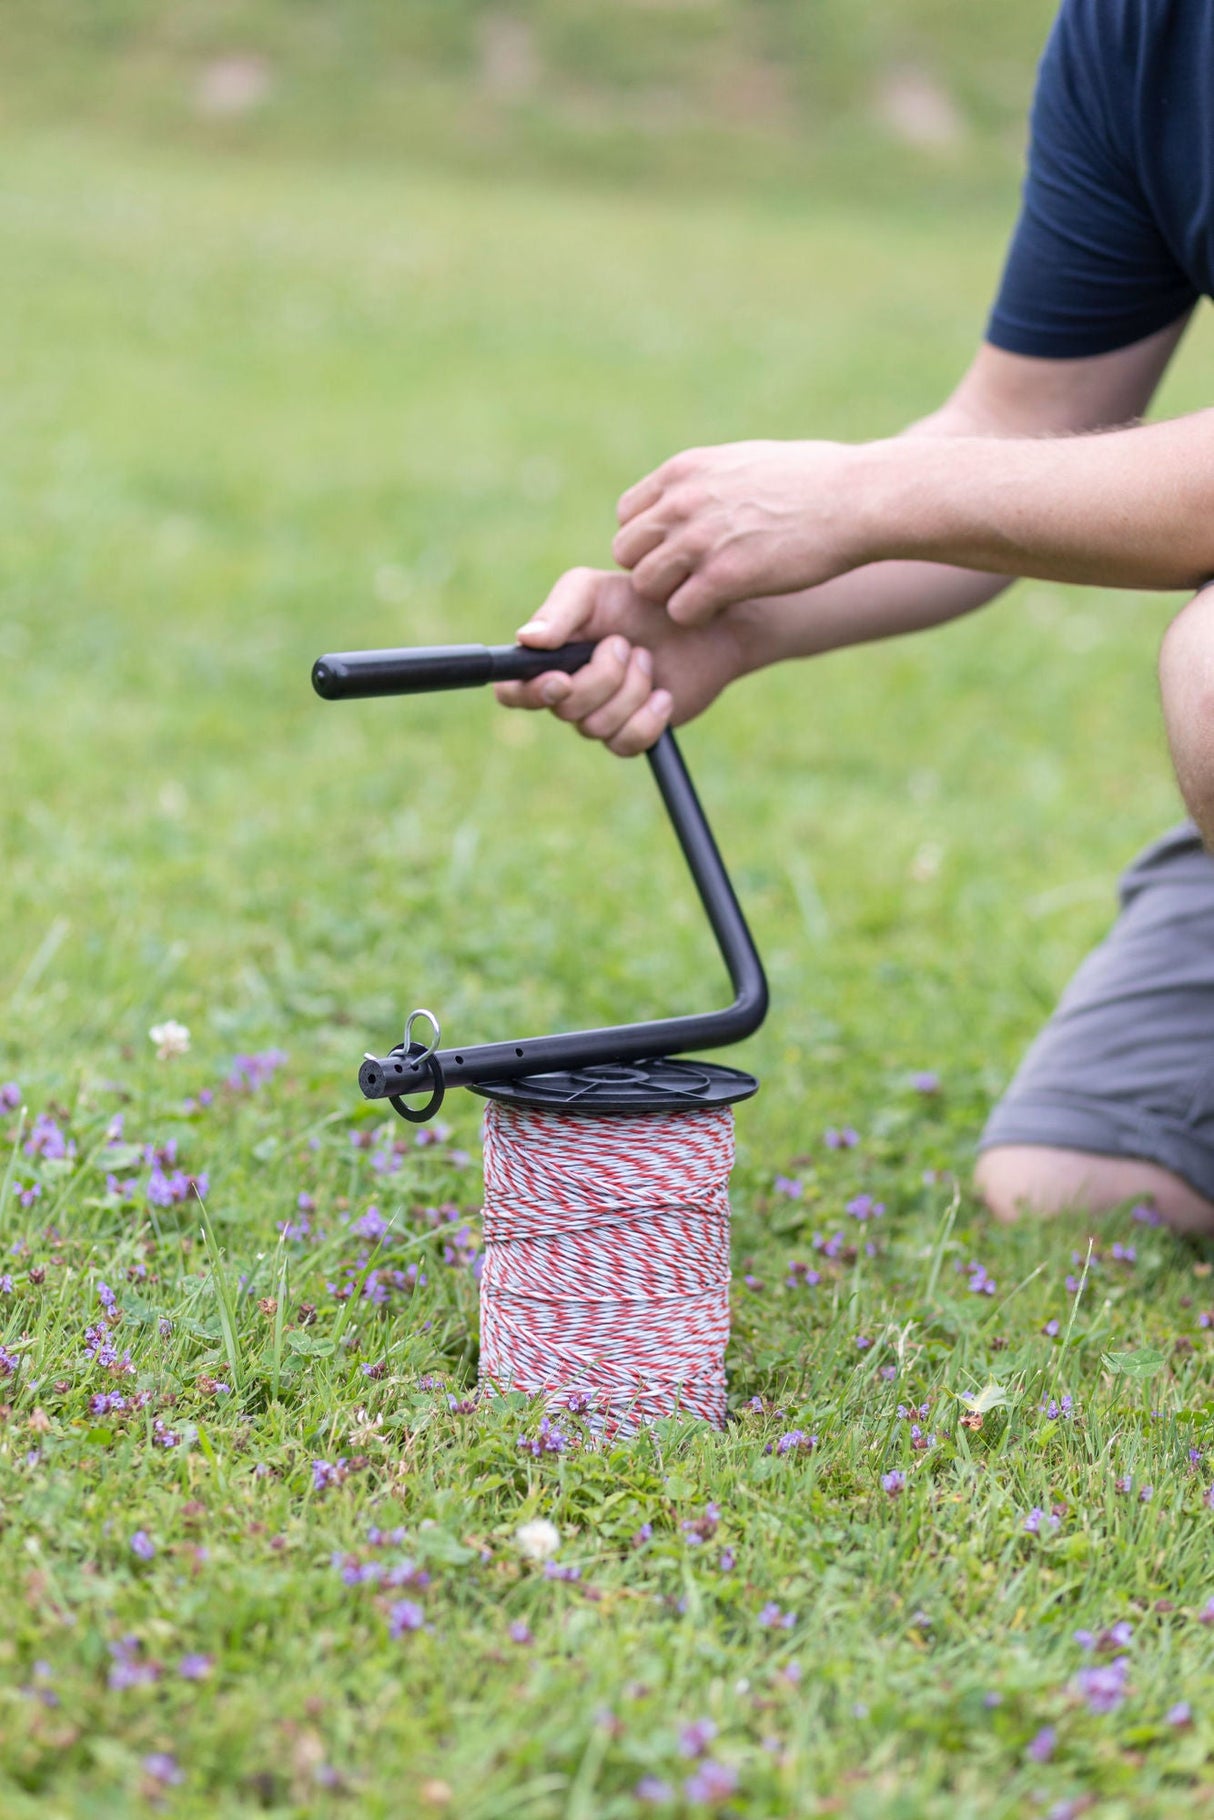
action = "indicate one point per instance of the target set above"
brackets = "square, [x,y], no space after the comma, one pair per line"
[644,661]
[532,625]
[660,701]
[620,649]
[554,690]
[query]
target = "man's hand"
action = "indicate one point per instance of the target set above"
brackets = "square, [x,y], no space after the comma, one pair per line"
[1000,481]
[712,527]
[647,673]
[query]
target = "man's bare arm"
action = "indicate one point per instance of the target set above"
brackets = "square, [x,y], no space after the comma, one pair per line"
[1132,507]
[651,671]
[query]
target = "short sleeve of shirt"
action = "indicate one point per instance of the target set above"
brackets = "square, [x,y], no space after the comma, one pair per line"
[1088,269]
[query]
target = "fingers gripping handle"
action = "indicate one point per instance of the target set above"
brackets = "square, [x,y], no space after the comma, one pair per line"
[351,675]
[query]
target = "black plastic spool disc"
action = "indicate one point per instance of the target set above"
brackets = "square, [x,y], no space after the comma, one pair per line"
[664,1084]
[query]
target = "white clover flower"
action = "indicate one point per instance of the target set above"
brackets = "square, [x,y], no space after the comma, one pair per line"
[170,1038]
[537,1540]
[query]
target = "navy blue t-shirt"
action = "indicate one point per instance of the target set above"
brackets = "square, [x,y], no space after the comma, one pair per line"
[1116,232]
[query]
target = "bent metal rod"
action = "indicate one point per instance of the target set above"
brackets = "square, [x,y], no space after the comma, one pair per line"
[624,1067]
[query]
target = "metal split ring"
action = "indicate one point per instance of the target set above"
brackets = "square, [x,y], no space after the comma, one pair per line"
[421,1055]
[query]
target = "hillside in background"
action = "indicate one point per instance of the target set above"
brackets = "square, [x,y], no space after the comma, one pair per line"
[845,96]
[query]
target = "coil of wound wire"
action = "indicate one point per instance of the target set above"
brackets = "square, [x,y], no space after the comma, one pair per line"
[605,1285]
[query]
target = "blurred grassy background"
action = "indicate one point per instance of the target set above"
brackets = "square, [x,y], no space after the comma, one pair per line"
[846,96]
[295,356]
[325,325]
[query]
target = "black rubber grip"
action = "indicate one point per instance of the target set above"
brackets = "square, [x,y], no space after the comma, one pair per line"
[350,675]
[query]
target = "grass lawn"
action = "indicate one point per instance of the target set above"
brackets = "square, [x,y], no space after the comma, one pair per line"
[254,411]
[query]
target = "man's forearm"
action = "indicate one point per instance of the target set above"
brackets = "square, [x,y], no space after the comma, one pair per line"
[883,600]
[1131,508]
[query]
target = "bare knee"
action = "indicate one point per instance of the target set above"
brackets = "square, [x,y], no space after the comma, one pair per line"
[1186,683]
[1039,1179]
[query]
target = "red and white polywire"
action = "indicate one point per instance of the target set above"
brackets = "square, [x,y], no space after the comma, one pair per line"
[606,1273]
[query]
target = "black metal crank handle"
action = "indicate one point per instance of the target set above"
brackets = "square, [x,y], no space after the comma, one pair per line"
[386,1077]
[351,675]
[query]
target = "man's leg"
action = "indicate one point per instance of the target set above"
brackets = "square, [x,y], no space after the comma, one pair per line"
[1114,1102]
[1016,1179]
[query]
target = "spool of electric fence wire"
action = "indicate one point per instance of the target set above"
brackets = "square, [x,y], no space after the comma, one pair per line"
[605,1286]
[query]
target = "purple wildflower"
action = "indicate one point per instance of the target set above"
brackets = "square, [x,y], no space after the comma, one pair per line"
[372,1225]
[142,1545]
[384,1538]
[979,1282]
[194,1667]
[796,1441]
[249,1072]
[1146,1215]
[9,1362]
[846,1139]
[159,1191]
[728,1561]
[520,1632]
[405,1615]
[1104,1687]
[553,1570]
[773,1618]
[1053,1328]
[407,1573]
[645,1533]
[1124,1485]
[6,1284]
[711,1783]
[801,1273]
[47,1140]
[702,1529]
[865,1208]
[1041,1749]
[653,1790]
[1037,1517]
[926,1082]
[10,1096]
[788,1185]
[550,1439]
[129,1668]
[893,1483]
[863,1342]
[1124,1254]
[1180,1714]
[326,1473]
[106,1297]
[161,1766]
[695,1738]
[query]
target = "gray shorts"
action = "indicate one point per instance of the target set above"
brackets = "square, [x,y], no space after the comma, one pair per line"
[1125,1067]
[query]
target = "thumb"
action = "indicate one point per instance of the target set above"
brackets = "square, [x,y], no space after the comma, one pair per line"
[568,611]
